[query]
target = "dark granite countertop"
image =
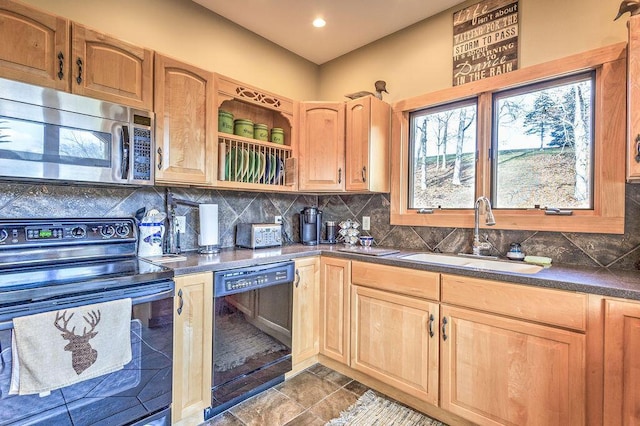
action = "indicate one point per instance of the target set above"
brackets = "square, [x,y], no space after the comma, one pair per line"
[601,281]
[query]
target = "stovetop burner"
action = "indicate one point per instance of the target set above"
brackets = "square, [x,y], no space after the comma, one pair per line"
[45,258]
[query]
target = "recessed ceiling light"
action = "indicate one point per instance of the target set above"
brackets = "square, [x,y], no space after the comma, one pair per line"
[319,23]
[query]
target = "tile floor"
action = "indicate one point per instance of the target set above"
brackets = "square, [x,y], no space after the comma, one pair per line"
[312,398]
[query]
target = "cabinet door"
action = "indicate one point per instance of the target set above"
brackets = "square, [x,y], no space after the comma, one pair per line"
[622,363]
[633,142]
[335,281]
[321,147]
[496,370]
[110,69]
[394,339]
[184,116]
[368,145]
[34,47]
[192,340]
[306,298]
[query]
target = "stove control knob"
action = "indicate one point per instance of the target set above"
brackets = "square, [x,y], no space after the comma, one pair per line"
[3,235]
[122,230]
[108,231]
[78,232]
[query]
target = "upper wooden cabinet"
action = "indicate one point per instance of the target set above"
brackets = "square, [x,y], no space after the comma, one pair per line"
[35,46]
[185,138]
[44,49]
[621,363]
[321,151]
[110,69]
[368,139]
[345,146]
[633,103]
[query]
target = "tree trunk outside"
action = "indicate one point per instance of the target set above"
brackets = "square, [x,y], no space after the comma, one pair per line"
[581,148]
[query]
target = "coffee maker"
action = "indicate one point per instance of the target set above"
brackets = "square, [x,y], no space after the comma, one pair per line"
[310,226]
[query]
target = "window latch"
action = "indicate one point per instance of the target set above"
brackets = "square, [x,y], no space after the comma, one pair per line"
[554,211]
[425,211]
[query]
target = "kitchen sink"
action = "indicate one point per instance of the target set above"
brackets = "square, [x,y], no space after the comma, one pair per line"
[479,263]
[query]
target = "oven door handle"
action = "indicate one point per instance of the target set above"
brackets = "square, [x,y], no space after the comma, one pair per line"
[7,325]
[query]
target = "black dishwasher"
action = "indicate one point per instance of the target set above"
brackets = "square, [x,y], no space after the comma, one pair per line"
[251,332]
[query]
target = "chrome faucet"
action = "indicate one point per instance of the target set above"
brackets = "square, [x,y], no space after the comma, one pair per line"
[478,246]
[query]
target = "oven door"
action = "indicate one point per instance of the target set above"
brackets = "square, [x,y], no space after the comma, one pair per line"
[138,394]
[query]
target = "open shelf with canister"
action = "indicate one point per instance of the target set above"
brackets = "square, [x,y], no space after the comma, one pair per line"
[256,138]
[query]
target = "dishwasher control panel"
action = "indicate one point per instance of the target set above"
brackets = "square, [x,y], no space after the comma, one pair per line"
[245,279]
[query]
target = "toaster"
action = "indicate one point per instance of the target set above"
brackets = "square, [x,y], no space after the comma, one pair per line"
[258,235]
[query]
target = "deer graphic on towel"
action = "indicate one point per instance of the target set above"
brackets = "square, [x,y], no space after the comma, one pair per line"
[82,354]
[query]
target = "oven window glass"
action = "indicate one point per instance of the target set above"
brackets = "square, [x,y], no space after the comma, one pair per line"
[41,142]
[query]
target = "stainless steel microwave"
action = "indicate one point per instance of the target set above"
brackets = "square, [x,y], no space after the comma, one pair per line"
[52,135]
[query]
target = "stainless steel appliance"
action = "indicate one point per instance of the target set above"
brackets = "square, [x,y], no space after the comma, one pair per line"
[53,135]
[310,226]
[55,264]
[251,332]
[258,235]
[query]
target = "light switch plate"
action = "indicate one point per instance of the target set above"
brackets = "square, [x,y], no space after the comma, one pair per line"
[366,223]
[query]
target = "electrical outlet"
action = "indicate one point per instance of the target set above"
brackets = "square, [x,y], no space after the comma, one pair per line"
[181,224]
[278,220]
[366,223]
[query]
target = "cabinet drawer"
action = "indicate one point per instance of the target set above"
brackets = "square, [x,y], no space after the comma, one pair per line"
[554,307]
[398,280]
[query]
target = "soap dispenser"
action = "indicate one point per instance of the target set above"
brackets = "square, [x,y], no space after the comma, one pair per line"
[515,252]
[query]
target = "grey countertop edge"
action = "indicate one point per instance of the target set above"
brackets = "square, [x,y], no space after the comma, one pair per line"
[600,281]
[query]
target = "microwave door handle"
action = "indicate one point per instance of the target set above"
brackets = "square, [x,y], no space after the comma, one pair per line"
[124,151]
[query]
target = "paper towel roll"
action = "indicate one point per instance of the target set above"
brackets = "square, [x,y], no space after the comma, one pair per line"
[208,225]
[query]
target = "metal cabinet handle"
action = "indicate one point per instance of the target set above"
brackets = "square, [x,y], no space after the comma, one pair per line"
[297,278]
[638,149]
[79,78]
[181,301]
[60,65]
[364,174]
[444,328]
[340,175]
[159,158]
[431,334]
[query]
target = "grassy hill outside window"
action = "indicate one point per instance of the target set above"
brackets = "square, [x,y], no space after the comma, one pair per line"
[551,136]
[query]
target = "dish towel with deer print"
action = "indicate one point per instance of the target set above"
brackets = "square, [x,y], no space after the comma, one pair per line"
[59,348]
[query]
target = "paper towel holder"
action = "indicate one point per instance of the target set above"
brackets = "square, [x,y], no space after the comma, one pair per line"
[208,238]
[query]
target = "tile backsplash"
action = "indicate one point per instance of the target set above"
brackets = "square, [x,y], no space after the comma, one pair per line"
[20,200]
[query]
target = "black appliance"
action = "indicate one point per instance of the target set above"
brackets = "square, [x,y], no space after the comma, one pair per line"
[310,226]
[54,264]
[251,332]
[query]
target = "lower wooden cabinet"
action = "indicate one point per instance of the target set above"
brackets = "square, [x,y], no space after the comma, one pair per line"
[305,322]
[498,370]
[394,339]
[622,363]
[192,346]
[335,282]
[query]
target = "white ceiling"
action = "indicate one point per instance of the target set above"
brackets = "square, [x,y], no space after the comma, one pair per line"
[350,23]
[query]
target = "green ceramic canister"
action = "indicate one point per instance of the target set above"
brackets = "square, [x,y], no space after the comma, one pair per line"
[225,121]
[277,135]
[260,132]
[243,127]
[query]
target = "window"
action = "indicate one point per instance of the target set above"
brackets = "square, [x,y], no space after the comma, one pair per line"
[443,156]
[543,138]
[543,145]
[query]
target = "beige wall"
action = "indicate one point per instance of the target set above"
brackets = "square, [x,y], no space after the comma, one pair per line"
[413,61]
[187,31]
[418,59]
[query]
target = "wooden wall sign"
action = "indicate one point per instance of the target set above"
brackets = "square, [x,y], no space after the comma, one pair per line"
[485,40]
